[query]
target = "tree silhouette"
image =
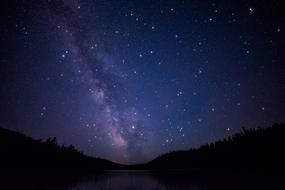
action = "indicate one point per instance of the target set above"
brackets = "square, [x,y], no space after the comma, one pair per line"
[254,149]
[251,149]
[19,152]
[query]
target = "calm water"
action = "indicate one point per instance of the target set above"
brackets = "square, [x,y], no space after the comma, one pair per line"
[145,180]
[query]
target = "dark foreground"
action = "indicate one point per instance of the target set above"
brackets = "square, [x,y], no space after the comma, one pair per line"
[145,180]
[251,159]
[251,149]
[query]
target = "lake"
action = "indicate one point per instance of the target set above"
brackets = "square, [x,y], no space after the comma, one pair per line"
[145,180]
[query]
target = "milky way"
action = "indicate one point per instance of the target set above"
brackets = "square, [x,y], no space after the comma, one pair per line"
[97,72]
[129,80]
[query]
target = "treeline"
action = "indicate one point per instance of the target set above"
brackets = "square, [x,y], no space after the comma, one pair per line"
[252,149]
[18,152]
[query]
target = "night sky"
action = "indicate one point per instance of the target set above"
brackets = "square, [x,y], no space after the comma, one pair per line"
[130,80]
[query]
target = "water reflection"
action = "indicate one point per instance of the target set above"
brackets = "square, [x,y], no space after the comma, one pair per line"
[145,180]
[133,180]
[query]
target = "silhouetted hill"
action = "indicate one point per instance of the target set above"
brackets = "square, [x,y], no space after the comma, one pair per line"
[20,152]
[251,149]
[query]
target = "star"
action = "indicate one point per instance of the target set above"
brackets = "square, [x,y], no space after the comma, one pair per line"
[179,93]
[250,9]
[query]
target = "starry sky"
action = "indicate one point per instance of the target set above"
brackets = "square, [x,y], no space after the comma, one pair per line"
[128,80]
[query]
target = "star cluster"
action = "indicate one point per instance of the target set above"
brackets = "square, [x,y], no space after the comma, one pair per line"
[129,80]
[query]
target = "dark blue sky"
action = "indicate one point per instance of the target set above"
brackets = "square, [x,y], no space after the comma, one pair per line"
[129,80]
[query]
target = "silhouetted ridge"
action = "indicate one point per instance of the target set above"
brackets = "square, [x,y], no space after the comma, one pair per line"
[262,148]
[19,151]
[252,149]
